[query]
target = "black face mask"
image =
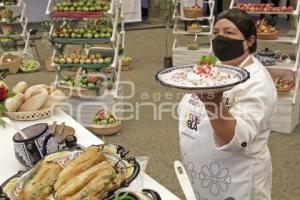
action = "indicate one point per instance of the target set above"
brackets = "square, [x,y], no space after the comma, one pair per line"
[226,48]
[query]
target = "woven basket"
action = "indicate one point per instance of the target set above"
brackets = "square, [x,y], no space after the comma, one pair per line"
[126,68]
[77,91]
[106,129]
[7,29]
[193,13]
[31,115]
[267,36]
[126,63]
[194,30]
[13,67]
[32,70]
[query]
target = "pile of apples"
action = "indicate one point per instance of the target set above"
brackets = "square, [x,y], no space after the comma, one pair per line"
[256,7]
[75,58]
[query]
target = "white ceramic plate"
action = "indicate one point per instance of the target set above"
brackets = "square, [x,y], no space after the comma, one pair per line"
[182,78]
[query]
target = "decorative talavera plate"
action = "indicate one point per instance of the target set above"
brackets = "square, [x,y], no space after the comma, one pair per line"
[129,166]
[183,78]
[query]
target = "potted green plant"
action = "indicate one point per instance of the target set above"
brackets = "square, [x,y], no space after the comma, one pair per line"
[166,13]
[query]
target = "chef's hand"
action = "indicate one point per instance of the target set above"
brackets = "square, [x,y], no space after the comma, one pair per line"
[213,103]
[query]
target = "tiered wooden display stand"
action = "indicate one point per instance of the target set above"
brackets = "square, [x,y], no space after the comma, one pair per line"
[181,53]
[24,35]
[81,105]
[286,117]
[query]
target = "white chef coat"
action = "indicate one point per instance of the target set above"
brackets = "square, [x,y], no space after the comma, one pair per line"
[241,169]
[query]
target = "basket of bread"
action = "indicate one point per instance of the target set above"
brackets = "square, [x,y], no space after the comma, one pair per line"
[265,31]
[106,123]
[33,103]
[92,173]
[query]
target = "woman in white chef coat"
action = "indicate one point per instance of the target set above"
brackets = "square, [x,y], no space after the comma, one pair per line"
[224,137]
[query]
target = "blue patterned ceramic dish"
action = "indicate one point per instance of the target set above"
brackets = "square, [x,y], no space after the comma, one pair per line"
[217,84]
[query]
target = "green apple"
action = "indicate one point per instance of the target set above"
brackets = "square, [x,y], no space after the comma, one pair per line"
[55,35]
[55,8]
[111,120]
[90,35]
[100,60]
[102,35]
[105,8]
[67,35]
[72,9]
[66,9]
[103,122]
[89,4]
[82,31]
[79,8]
[108,60]
[98,8]
[61,35]
[81,3]
[96,35]
[85,9]
[73,35]
[108,35]
[79,35]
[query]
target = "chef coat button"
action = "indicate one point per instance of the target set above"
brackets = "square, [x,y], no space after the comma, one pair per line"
[244,144]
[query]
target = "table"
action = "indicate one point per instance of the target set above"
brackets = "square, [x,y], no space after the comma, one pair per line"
[9,164]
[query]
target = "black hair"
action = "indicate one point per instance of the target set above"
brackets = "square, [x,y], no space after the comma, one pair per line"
[243,21]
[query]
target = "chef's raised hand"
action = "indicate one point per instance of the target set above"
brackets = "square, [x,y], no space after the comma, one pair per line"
[220,118]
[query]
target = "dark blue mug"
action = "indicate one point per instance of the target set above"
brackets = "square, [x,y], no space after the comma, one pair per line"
[38,144]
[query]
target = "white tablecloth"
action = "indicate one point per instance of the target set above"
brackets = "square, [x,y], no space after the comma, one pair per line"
[10,166]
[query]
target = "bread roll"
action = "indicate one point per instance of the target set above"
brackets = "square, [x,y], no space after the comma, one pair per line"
[90,157]
[40,186]
[51,89]
[54,99]
[35,102]
[20,87]
[12,104]
[33,90]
